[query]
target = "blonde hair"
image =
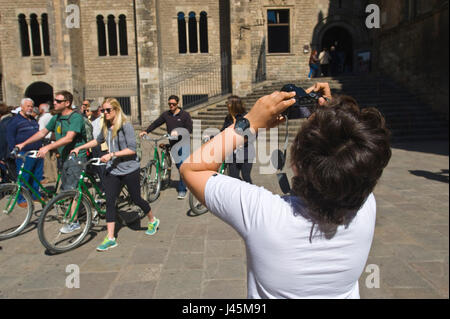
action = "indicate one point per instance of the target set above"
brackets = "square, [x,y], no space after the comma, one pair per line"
[119,120]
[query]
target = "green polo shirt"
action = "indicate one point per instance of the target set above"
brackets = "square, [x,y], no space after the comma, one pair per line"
[60,125]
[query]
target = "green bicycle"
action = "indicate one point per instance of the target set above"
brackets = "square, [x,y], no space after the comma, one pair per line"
[81,207]
[15,216]
[156,174]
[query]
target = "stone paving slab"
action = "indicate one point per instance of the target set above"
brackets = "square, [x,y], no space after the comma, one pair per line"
[195,257]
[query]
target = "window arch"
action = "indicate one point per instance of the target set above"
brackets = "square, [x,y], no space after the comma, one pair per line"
[101,36]
[193,42]
[35,35]
[45,34]
[182,45]
[123,35]
[24,38]
[112,35]
[203,32]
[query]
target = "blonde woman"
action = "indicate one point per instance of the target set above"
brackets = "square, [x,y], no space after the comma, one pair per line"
[122,167]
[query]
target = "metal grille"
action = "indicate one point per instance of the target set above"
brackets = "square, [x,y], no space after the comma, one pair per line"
[197,85]
[125,103]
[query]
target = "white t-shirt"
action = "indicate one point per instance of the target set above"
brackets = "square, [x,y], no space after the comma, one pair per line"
[281,261]
[43,121]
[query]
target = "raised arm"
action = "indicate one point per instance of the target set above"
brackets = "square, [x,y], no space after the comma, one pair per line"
[205,161]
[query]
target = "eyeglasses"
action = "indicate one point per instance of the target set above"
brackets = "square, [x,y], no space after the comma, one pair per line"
[173,104]
[59,101]
[108,110]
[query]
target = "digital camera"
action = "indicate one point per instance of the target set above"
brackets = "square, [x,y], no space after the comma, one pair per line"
[305,103]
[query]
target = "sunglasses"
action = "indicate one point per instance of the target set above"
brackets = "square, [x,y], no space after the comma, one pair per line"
[108,110]
[60,101]
[85,104]
[173,104]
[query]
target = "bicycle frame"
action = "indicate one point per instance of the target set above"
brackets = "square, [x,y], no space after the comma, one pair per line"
[83,189]
[22,182]
[159,163]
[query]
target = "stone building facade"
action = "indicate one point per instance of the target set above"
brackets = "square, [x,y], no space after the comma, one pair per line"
[142,51]
[412,47]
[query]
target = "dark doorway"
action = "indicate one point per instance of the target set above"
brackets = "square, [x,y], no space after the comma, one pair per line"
[40,92]
[342,40]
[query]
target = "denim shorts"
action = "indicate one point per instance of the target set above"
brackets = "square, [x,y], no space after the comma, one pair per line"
[70,173]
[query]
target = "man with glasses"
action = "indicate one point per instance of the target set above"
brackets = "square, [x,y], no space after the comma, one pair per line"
[69,130]
[20,129]
[85,107]
[177,121]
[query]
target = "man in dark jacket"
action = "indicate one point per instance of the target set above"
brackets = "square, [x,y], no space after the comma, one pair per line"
[175,118]
[19,129]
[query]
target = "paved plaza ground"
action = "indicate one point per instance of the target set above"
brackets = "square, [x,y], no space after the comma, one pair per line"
[201,257]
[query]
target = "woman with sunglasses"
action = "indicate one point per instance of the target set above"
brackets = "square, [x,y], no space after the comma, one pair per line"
[122,167]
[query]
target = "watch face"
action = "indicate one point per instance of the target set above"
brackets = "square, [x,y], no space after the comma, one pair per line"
[241,125]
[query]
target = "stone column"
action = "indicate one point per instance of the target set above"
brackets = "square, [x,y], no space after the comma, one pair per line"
[240,49]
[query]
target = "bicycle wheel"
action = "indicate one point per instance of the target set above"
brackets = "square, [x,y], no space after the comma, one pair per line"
[56,215]
[14,217]
[152,183]
[166,171]
[196,207]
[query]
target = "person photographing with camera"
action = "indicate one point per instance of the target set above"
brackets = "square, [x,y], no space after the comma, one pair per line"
[315,242]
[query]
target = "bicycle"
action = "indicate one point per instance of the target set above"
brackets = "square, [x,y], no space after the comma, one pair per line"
[14,217]
[156,174]
[196,206]
[89,207]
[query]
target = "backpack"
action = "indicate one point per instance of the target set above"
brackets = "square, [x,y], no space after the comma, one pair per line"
[88,129]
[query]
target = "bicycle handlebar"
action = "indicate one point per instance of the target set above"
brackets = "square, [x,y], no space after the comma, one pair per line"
[93,161]
[31,154]
[165,136]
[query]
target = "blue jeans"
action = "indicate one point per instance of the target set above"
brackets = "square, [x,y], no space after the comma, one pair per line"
[34,165]
[313,70]
[181,186]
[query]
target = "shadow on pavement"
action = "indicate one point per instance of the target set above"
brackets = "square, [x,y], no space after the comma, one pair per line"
[433,147]
[441,176]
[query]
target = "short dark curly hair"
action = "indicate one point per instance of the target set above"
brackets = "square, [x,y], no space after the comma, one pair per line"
[339,155]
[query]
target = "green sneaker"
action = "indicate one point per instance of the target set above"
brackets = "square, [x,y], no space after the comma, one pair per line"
[152,227]
[107,244]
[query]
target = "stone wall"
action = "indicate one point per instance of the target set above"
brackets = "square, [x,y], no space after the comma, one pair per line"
[413,49]
[17,70]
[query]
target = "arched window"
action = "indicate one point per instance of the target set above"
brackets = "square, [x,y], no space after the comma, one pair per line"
[193,42]
[24,38]
[112,35]
[45,34]
[182,45]
[35,35]
[123,35]
[101,36]
[203,32]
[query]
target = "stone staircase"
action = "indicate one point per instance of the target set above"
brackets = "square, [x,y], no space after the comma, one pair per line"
[406,117]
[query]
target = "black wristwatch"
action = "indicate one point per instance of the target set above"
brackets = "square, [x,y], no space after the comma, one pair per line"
[241,125]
